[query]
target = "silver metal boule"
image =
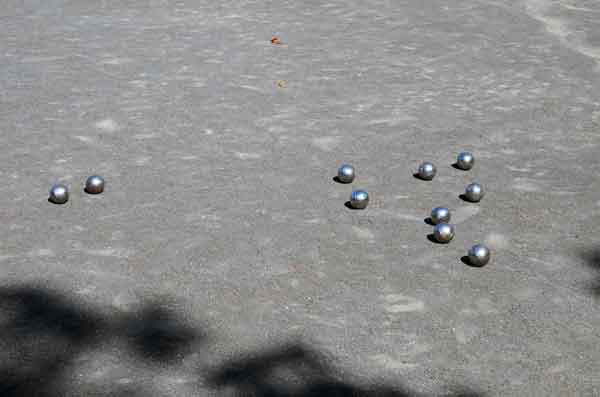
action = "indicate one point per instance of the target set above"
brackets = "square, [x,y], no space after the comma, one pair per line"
[94,184]
[346,173]
[59,194]
[474,192]
[427,171]
[465,161]
[440,215]
[359,199]
[443,233]
[479,255]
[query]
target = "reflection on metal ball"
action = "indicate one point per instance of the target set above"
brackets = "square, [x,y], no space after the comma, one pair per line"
[443,233]
[474,192]
[426,171]
[479,255]
[59,194]
[359,199]
[440,215]
[346,173]
[465,161]
[94,184]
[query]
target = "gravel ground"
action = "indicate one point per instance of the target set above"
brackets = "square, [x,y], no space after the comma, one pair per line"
[221,260]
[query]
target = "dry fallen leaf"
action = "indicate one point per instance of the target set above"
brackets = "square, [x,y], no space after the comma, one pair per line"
[275,40]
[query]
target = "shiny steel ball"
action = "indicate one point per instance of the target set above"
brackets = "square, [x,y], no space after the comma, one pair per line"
[440,215]
[474,192]
[427,171]
[94,184]
[465,161]
[359,199]
[346,173]
[59,194]
[479,255]
[443,233]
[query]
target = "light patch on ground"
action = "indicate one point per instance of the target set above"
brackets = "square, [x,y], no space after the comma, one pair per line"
[525,185]
[558,368]
[388,362]
[145,136]
[559,27]
[313,221]
[85,139]
[247,156]
[394,121]
[401,215]
[125,301]
[517,169]
[464,334]
[107,125]
[117,61]
[41,252]
[251,88]
[486,306]
[42,59]
[326,143]
[462,214]
[139,83]
[143,160]
[403,304]
[497,241]
[329,322]
[86,290]
[362,233]
[116,252]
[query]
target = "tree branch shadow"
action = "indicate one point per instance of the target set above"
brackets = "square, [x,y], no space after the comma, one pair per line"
[42,331]
[591,258]
[296,370]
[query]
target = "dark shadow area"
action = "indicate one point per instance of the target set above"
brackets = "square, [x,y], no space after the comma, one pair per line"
[52,202]
[350,207]
[417,176]
[591,257]
[42,332]
[157,335]
[456,167]
[463,197]
[466,261]
[337,180]
[46,335]
[429,221]
[431,237]
[295,370]
[40,335]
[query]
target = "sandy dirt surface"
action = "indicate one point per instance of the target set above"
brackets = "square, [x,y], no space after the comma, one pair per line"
[221,260]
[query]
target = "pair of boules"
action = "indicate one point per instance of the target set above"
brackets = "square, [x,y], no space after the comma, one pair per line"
[443,231]
[359,199]
[464,161]
[59,193]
